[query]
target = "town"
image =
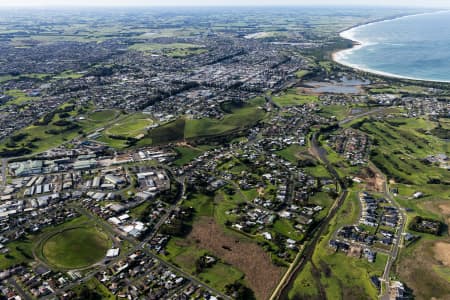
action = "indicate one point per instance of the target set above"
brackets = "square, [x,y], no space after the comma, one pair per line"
[179,160]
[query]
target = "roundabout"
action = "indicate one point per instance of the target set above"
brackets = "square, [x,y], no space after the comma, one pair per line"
[75,248]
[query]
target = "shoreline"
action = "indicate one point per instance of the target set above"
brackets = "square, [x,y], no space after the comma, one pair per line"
[347,34]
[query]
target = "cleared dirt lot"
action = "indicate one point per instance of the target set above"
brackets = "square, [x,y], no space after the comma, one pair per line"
[417,270]
[442,253]
[445,208]
[260,273]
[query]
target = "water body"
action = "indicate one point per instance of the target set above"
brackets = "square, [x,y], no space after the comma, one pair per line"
[415,47]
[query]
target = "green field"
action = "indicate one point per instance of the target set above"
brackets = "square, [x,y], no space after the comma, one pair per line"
[187,154]
[407,89]
[318,171]
[40,137]
[97,287]
[302,73]
[237,117]
[63,75]
[183,253]
[173,49]
[131,125]
[184,256]
[402,146]
[338,111]
[172,131]
[21,250]
[127,127]
[75,248]
[292,98]
[19,97]
[336,275]
[292,153]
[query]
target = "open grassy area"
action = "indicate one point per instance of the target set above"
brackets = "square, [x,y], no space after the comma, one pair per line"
[114,143]
[336,275]
[19,97]
[292,98]
[131,125]
[172,49]
[237,117]
[406,89]
[187,154]
[76,247]
[338,111]
[184,255]
[301,73]
[305,285]
[59,128]
[429,254]
[318,171]
[97,287]
[402,146]
[292,153]
[68,75]
[21,250]
[64,75]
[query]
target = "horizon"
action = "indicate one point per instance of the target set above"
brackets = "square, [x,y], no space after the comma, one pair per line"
[221,3]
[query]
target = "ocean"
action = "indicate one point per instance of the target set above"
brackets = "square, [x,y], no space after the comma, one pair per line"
[415,47]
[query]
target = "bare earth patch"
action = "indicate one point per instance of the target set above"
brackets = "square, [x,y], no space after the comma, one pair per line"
[260,273]
[442,253]
[445,209]
[420,261]
[374,182]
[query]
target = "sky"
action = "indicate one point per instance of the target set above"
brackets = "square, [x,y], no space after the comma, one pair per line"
[411,3]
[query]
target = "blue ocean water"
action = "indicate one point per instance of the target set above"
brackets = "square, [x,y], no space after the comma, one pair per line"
[415,47]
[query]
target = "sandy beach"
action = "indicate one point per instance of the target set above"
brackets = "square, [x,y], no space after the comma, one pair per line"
[341,56]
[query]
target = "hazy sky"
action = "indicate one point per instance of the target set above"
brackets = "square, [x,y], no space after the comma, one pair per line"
[434,3]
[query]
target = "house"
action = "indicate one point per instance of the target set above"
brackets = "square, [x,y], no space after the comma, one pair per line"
[113,252]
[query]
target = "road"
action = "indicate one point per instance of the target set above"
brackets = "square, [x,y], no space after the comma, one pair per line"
[322,155]
[18,289]
[364,114]
[399,236]
[283,289]
[141,246]
[4,171]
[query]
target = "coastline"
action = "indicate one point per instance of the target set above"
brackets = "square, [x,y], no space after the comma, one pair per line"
[347,34]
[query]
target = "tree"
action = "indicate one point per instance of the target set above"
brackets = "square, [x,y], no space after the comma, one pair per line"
[239,291]
[87,294]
